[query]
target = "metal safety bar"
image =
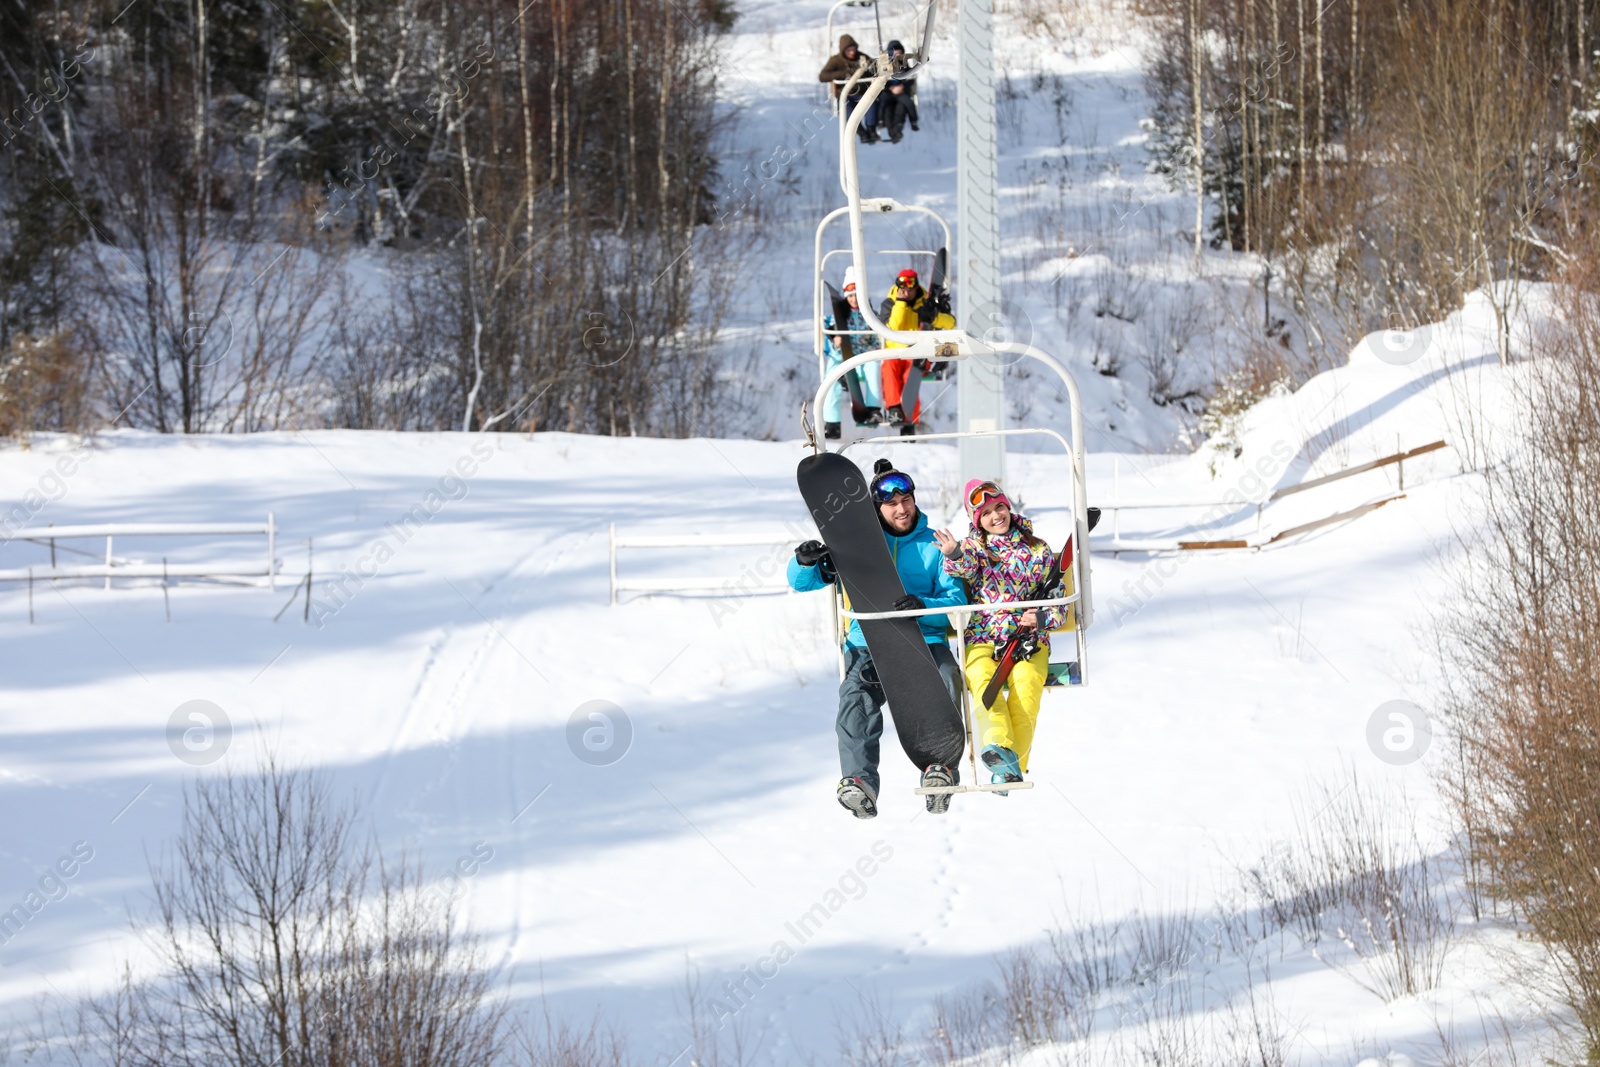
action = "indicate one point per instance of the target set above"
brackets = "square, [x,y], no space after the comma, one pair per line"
[983,607]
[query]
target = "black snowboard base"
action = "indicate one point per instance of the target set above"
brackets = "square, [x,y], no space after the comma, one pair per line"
[927,722]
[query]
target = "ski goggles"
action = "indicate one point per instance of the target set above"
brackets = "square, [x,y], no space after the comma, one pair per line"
[982,494]
[890,485]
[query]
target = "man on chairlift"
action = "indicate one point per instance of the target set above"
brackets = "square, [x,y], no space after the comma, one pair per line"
[898,104]
[836,72]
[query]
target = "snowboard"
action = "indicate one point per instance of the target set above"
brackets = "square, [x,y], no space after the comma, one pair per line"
[927,722]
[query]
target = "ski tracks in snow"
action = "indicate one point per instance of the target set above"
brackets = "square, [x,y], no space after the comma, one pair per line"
[460,657]
[477,677]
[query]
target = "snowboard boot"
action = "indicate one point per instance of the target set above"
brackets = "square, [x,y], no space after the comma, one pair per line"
[938,775]
[858,798]
[1002,761]
[893,416]
[908,429]
[831,431]
[871,417]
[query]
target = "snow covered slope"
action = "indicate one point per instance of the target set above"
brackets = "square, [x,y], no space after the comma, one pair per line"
[447,656]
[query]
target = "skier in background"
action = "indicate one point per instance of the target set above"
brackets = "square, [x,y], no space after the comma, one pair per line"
[865,386]
[898,103]
[836,71]
[921,568]
[907,307]
[1002,560]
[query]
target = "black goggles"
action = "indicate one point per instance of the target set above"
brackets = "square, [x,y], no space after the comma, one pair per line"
[888,486]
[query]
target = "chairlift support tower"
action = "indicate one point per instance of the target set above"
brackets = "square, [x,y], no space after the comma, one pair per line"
[980,388]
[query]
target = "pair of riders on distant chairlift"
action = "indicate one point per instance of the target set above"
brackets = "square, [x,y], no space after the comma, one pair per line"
[879,393]
[893,108]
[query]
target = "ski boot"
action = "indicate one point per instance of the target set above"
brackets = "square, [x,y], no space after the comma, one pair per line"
[1003,778]
[1003,766]
[858,798]
[1001,761]
[831,431]
[938,774]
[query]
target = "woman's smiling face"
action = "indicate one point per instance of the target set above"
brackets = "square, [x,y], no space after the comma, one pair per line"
[996,518]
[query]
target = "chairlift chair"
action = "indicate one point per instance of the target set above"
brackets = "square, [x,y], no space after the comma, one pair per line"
[823,260]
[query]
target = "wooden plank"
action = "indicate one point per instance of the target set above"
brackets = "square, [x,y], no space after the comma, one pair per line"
[1353,513]
[1398,457]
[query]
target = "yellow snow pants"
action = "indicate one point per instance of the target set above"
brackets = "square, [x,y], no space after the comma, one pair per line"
[1010,722]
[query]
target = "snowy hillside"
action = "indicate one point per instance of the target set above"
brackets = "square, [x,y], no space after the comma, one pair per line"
[446,658]
[694,883]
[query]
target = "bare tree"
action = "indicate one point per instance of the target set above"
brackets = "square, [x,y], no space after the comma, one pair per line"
[282,938]
[1522,639]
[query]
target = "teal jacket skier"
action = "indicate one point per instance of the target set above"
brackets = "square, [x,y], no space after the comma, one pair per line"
[920,564]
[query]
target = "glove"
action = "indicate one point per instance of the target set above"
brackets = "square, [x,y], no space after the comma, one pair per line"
[909,602]
[812,553]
